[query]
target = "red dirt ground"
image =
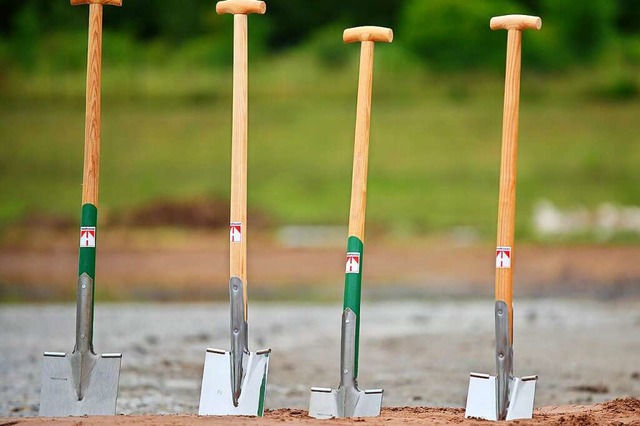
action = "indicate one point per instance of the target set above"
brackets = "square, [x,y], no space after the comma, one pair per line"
[624,411]
[187,265]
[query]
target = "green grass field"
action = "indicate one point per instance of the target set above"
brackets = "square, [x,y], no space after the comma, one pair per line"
[435,144]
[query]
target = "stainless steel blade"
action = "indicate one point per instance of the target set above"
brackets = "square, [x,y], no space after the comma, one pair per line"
[482,397]
[347,400]
[216,396]
[326,403]
[58,395]
[80,383]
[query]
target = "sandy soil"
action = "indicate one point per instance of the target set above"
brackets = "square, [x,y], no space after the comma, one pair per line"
[624,411]
[190,265]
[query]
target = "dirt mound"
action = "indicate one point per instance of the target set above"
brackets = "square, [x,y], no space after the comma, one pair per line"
[619,412]
[50,221]
[195,213]
[623,406]
[200,213]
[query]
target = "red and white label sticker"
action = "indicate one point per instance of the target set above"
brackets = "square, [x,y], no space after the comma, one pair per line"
[503,257]
[87,236]
[353,263]
[235,232]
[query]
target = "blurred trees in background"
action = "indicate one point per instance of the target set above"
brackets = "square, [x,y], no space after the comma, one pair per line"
[440,34]
[443,73]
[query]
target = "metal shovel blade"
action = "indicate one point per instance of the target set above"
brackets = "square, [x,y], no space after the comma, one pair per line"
[99,386]
[216,397]
[482,398]
[326,403]
[348,400]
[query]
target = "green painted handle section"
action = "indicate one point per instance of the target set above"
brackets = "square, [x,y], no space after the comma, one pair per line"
[353,281]
[87,256]
[352,291]
[87,263]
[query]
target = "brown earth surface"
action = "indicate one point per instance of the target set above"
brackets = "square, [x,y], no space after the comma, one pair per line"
[183,264]
[622,411]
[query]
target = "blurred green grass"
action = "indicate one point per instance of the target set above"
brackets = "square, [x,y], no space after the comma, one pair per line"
[434,156]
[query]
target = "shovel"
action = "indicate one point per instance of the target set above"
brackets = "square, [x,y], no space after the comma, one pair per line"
[84,383]
[503,396]
[235,382]
[348,400]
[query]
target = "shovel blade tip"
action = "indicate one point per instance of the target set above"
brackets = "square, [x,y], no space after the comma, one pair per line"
[216,396]
[326,403]
[523,394]
[58,396]
[482,403]
[481,397]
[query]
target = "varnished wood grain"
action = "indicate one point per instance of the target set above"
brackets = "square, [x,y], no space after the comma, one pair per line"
[509,155]
[508,164]
[361,146]
[91,171]
[241,7]
[238,258]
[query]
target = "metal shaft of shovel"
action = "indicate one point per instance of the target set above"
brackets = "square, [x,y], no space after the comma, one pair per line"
[348,400]
[505,396]
[82,382]
[234,383]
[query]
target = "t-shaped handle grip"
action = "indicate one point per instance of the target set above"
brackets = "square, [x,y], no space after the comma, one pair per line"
[367,33]
[241,7]
[103,2]
[515,22]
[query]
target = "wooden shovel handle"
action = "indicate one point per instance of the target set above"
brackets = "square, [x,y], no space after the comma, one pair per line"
[90,178]
[509,155]
[91,169]
[241,7]
[238,262]
[367,35]
[239,137]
